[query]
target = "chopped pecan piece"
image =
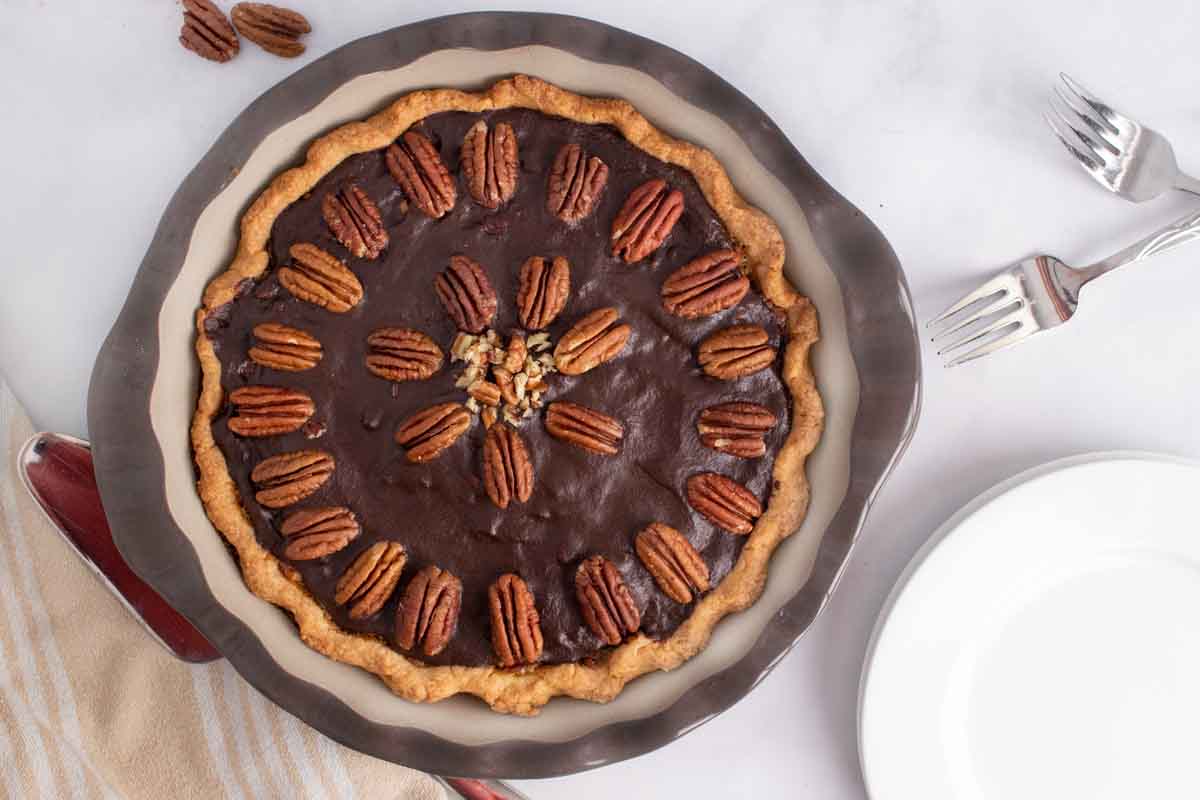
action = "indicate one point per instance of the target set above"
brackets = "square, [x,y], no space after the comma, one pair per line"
[288,478]
[415,164]
[467,294]
[318,532]
[736,352]
[431,430]
[490,164]
[584,427]
[355,221]
[485,392]
[542,291]
[593,340]
[268,410]
[645,220]
[507,470]
[711,283]
[515,353]
[402,354]
[605,601]
[206,32]
[676,566]
[516,627]
[736,428]
[724,502]
[370,580]
[274,29]
[284,348]
[428,612]
[318,278]
[576,181]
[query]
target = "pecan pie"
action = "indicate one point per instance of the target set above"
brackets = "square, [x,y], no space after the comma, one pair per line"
[505,393]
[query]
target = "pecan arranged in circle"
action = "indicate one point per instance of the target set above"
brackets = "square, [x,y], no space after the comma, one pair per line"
[284,348]
[736,428]
[584,427]
[724,502]
[318,278]
[576,181]
[368,582]
[542,291]
[402,354]
[288,478]
[489,163]
[268,410]
[507,470]
[605,601]
[354,220]
[428,612]
[318,532]
[676,566]
[736,352]
[593,340]
[467,294]
[431,430]
[516,627]
[274,29]
[711,283]
[206,32]
[646,219]
[415,164]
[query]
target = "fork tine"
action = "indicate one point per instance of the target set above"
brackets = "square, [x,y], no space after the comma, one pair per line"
[1102,150]
[985,290]
[1075,147]
[998,326]
[1002,303]
[1110,115]
[1097,124]
[1022,331]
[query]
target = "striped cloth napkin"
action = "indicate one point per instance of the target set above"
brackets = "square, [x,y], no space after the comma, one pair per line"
[91,706]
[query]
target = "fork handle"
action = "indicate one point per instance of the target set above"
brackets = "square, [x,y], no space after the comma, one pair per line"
[1181,231]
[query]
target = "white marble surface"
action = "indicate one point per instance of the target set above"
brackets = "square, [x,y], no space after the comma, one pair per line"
[923,112]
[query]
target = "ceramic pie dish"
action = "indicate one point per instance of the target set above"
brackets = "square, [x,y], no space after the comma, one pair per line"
[865,366]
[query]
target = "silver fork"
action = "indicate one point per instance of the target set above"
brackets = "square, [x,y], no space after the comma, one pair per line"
[1124,156]
[1037,294]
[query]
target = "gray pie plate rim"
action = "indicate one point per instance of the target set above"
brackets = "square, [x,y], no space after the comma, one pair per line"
[129,465]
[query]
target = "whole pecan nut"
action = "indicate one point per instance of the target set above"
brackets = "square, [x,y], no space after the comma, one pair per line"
[368,582]
[415,164]
[736,352]
[542,291]
[711,283]
[676,566]
[490,164]
[646,219]
[584,427]
[318,278]
[355,221]
[402,354]
[428,612]
[274,29]
[288,478]
[737,428]
[318,532]
[467,294]
[507,470]
[425,434]
[206,31]
[605,601]
[576,181]
[516,626]
[593,340]
[268,410]
[284,348]
[724,502]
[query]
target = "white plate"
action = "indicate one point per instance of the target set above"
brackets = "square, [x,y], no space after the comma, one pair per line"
[1045,643]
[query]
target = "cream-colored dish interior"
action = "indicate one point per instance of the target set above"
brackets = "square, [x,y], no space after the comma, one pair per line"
[211,246]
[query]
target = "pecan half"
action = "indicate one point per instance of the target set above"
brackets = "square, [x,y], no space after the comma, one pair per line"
[415,164]
[516,627]
[402,354]
[584,427]
[368,582]
[355,221]
[724,502]
[676,566]
[274,29]
[736,352]
[507,470]
[428,612]
[467,294]
[605,601]
[284,348]
[268,410]
[288,478]
[206,32]
[576,181]
[593,340]
[542,291]
[425,434]
[736,428]
[489,162]
[645,220]
[708,284]
[318,532]
[318,278]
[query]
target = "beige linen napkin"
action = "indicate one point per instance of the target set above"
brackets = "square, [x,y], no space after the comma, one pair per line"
[91,706]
